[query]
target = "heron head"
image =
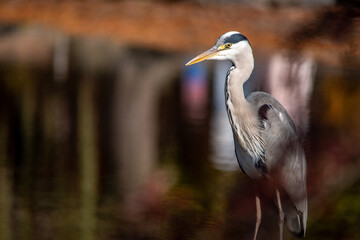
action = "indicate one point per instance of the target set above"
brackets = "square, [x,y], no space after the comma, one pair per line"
[228,47]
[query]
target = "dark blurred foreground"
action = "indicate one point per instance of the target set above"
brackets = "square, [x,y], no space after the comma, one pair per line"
[101,139]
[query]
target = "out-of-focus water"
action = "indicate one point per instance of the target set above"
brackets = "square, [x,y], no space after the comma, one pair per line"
[103,141]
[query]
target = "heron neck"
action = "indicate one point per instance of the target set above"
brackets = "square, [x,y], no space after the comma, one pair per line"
[244,64]
[239,74]
[242,115]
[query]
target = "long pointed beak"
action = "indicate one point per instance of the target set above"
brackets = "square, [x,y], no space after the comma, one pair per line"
[203,56]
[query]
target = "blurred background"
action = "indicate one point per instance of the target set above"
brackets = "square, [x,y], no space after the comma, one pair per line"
[104,134]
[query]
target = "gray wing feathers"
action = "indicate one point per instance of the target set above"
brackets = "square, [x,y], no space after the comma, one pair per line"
[292,179]
[286,159]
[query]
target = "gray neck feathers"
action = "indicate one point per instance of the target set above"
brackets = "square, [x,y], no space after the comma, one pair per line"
[242,116]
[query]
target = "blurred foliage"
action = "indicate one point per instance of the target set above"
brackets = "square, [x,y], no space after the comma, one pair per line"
[339,215]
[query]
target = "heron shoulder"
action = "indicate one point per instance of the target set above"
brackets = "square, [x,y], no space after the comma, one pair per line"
[262,102]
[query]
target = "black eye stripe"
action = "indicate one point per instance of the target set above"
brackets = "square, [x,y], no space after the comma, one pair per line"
[232,39]
[235,38]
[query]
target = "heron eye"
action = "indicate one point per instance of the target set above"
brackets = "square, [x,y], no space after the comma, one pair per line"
[228,45]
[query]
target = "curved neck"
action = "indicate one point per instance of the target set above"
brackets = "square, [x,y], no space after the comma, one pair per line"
[242,115]
[239,73]
[244,62]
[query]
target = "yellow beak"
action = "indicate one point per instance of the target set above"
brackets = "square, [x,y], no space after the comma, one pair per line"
[203,56]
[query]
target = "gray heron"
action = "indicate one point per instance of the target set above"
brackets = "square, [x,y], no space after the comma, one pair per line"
[267,146]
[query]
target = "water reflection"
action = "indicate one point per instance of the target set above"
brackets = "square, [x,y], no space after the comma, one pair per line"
[140,79]
[61,57]
[101,141]
[194,92]
[291,78]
